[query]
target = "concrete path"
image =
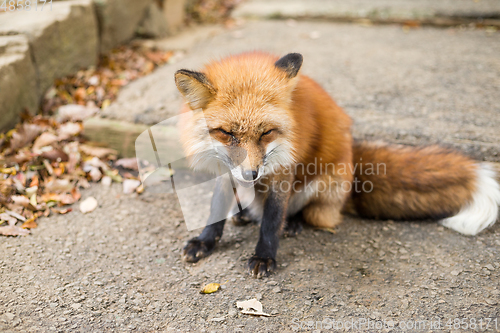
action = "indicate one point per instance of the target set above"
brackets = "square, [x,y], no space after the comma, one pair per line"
[118,269]
[415,86]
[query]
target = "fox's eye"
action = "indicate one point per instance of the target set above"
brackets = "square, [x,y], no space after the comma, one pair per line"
[226,133]
[268,132]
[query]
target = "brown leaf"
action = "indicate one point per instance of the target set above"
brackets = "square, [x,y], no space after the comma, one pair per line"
[75,112]
[46,197]
[55,155]
[98,152]
[62,211]
[24,136]
[13,230]
[74,155]
[58,185]
[16,215]
[35,181]
[45,139]
[23,201]
[30,223]
[9,219]
[68,130]
[67,199]
[76,193]
[128,163]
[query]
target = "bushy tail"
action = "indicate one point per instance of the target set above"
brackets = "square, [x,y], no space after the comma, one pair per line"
[408,183]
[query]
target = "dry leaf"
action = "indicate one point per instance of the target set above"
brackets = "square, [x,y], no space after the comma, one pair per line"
[9,219]
[62,211]
[21,200]
[94,162]
[88,205]
[83,183]
[75,192]
[45,139]
[31,190]
[75,112]
[58,185]
[13,230]
[55,155]
[68,130]
[98,152]
[8,171]
[252,307]
[26,134]
[48,167]
[128,163]
[30,223]
[16,215]
[210,288]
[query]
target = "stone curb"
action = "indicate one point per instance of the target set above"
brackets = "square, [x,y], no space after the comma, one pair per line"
[67,36]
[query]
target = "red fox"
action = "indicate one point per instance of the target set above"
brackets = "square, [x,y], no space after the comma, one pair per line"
[304,164]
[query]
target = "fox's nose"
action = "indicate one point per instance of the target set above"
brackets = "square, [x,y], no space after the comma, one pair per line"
[249,175]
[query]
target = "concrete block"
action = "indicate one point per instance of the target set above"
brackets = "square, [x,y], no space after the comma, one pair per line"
[175,14]
[119,20]
[63,40]
[18,88]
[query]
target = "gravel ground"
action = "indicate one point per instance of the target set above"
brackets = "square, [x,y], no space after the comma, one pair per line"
[119,268]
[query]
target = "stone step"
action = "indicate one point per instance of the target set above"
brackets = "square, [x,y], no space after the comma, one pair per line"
[426,12]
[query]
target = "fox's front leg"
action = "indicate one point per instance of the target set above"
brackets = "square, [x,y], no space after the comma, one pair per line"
[203,245]
[263,262]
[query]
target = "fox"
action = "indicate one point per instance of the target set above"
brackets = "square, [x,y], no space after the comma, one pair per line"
[270,124]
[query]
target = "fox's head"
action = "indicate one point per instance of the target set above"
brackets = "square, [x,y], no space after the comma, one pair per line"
[244,101]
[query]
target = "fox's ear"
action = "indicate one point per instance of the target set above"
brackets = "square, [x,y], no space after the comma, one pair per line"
[195,87]
[290,64]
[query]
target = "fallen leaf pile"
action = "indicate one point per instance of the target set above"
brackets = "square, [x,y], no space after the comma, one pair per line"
[44,161]
[97,87]
[43,166]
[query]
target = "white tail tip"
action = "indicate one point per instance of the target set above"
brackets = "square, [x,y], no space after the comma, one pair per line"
[482,211]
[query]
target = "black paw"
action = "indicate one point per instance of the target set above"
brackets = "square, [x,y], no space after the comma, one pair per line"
[260,267]
[241,219]
[293,227]
[196,249]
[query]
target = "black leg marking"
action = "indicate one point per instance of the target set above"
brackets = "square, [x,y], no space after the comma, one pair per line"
[264,261]
[203,245]
[294,225]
